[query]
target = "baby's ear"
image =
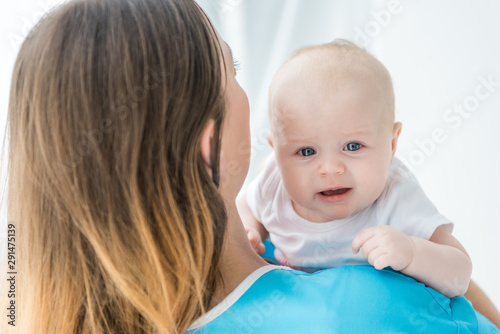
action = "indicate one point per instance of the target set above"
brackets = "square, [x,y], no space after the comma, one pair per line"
[396,131]
[206,144]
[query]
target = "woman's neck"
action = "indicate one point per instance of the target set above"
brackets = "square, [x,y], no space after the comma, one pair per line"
[238,258]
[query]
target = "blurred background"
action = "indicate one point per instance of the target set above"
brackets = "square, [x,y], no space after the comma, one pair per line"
[444,59]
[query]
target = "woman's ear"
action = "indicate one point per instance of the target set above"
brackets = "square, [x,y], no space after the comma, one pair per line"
[396,131]
[206,144]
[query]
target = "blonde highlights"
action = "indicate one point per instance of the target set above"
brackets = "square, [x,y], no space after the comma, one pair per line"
[120,226]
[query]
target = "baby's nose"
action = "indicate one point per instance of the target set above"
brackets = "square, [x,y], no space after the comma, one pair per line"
[331,167]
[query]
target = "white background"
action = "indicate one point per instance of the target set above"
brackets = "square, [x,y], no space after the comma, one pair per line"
[436,52]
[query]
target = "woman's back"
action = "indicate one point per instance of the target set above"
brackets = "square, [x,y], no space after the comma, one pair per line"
[340,300]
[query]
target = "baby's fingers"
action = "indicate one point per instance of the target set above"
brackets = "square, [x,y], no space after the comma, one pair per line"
[382,261]
[375,254]
[260,248]
[361,238]
[255,241]
[253,236]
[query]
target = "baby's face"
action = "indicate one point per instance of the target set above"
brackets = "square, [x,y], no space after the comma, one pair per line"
[333,148]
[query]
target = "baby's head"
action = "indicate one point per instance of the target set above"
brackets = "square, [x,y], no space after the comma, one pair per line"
[331,109]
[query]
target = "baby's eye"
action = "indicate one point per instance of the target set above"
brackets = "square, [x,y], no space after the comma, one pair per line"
[306,152]
[352,147]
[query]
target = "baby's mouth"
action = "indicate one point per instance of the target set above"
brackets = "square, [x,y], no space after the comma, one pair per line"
[333,192]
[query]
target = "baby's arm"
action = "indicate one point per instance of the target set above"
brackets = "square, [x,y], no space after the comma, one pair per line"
[256,232]
[440,262]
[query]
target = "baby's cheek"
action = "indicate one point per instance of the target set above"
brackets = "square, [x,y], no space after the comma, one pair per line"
[371,183]
[297,186]
[293,187]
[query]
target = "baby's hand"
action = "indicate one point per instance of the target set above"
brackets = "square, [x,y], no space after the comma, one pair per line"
[384,246]
[255,240]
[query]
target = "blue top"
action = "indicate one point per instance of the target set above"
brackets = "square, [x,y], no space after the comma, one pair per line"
[348,299]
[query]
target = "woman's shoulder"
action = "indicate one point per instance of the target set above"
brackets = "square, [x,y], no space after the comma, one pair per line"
[345,299]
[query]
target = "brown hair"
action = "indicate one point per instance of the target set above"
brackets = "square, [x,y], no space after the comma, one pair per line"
[119,225]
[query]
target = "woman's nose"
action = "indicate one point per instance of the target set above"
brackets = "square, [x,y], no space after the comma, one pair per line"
[331,167]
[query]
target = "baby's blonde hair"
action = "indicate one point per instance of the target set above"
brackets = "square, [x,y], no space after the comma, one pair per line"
[346,63]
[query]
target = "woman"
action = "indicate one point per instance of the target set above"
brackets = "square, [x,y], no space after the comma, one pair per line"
[127,136]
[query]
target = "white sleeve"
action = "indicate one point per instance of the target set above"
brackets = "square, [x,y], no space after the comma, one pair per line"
[262,189]
[404,205]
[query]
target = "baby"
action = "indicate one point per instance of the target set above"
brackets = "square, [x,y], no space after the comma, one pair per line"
[332,185]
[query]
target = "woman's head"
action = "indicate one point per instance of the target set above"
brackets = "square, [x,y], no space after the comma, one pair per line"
[118,211]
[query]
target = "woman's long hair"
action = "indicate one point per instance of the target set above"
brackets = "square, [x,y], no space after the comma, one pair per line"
[119,225]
